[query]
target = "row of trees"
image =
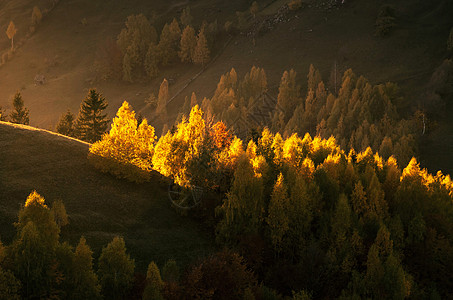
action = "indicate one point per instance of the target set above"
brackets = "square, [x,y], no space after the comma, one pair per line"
[38,265]
[141,51]
[361,115]
[308,216]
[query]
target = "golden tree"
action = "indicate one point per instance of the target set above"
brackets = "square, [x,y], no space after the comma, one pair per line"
[188,44]
[201,51]
[11,32]
[278,216]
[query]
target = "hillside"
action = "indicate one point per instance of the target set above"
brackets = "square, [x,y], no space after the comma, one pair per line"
[63,49]
[99,206]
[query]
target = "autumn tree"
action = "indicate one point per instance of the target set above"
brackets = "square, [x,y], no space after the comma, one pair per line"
[9,285]
[201,52]
[33,249]
[169,42]
[288,94]
[152,61]
[154,283]
[188,44]
[65,125]
[277,218]
[134,41]
[170,271]
[186,18]
[11,32]
[58,211]
[36,16]
[254,9]
[115,270]
[91,123]
[162,99]
[126,151]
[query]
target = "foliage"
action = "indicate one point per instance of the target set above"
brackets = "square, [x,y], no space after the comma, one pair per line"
[20,114]
[188,44]
[115,270]
[36,16]
[127,150]
[91,123]
[11,32]
[201,51]
[154,283]
[65,125]
[59,214]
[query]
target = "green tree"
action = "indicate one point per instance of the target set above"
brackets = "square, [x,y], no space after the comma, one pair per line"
[115,270]
[170,271]
[188,44]
[154,283]
[33,250]
[91,123]
[65,125]
[20,113]
[11,32]
[201,52]
[278,215]
[58,211]
[84,278]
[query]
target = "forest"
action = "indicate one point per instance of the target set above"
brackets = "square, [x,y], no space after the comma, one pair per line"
[308,186]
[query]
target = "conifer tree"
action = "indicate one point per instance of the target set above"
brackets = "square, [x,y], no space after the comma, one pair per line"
[115,270]
[91,123]
[11,32]
[314,78]
[169,42]
[65,125]
[2,114]
[188,44]
[201,52]
[20,113]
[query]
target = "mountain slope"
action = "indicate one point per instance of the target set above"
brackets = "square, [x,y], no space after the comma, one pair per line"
[99,206]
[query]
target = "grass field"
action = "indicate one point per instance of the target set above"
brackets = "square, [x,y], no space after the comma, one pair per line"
[99,206]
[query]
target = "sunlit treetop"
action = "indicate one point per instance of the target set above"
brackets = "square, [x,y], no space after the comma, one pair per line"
[35,199]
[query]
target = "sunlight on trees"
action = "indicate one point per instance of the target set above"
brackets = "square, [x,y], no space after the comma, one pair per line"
[11,32]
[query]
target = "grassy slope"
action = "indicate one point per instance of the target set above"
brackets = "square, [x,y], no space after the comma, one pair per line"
[99,206]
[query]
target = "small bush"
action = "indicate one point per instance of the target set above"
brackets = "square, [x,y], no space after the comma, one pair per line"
[295,4]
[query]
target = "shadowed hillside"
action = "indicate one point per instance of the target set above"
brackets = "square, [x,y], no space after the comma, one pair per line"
[99,206]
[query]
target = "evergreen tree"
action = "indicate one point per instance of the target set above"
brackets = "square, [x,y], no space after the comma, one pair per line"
[201,52]
[188,44]
[20,113]
[2,114]
[91,123]
[65,125]
[115,270]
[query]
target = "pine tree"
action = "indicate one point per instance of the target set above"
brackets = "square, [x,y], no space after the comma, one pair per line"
[11,32]
[115,270]
[2,114]
[188,44]
[201,52]
[20,113]
[91,123]
[65,125]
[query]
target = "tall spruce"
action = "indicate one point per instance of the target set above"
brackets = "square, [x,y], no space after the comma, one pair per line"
[91,123]
[65,125]
[20,113]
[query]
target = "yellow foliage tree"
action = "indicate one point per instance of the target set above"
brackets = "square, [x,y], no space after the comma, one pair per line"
[11,32]
[125,151]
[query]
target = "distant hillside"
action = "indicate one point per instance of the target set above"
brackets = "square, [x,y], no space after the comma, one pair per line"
[99,206]
[64,48]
